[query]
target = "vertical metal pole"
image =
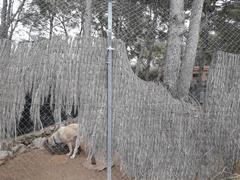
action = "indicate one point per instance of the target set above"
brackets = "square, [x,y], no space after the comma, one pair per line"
[109,94]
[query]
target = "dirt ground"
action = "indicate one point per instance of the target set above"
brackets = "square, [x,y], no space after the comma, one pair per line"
[40,165]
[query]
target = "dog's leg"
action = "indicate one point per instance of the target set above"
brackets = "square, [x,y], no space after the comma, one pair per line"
[70,149]
[77,144]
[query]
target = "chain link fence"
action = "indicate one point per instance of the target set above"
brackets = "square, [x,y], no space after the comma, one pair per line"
[53,73]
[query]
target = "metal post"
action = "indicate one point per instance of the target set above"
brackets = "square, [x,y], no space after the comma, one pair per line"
[109,94]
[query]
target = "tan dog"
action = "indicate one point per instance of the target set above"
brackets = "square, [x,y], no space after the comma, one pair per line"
[65,135]
[68,135]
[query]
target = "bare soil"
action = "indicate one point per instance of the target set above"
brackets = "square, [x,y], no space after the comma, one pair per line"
[40,165]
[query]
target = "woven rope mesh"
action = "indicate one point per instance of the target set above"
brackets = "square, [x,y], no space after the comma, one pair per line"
[54,65]
[151,129]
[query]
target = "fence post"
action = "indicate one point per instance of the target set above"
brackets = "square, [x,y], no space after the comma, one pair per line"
[109,94]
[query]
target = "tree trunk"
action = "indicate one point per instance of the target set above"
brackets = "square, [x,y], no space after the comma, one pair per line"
[175,40]
[64,27]
[185,75]
[51,26]
[104,33]
[88,19]
[82,25]
[13,27]
[9,13]
[118,28]
[7,17]
[3,27]
[29,33]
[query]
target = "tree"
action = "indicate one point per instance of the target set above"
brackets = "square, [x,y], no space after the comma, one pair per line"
[3,29]
[137,24]
[174,46]
[179,64]
[185,75]
[9,19]
[220,25]
[88,18]
[59,18]
[227,28]
[49,12]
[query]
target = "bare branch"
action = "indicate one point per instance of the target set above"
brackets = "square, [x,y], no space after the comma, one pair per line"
[20,8]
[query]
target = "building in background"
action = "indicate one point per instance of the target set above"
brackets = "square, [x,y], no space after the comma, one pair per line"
[199,82]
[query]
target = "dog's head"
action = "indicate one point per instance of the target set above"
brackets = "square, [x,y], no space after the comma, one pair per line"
[54,140]
[53,148]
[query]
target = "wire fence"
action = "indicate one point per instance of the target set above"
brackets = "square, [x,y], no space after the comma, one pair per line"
[53,92]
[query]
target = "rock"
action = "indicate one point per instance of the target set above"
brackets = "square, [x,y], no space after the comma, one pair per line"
[19,149]
[10,154]
[37,133]
[4,155]
[2,162]
[26,140]
[52,128]
[39,143]
[6,146]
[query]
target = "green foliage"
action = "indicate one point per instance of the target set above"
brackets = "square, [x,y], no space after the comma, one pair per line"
[63,15]
[223,22]
[159,51]
[231,12]
[45,7]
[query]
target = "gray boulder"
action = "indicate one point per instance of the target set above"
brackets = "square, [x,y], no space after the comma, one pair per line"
[5,154]
[39,143]
[19,149]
